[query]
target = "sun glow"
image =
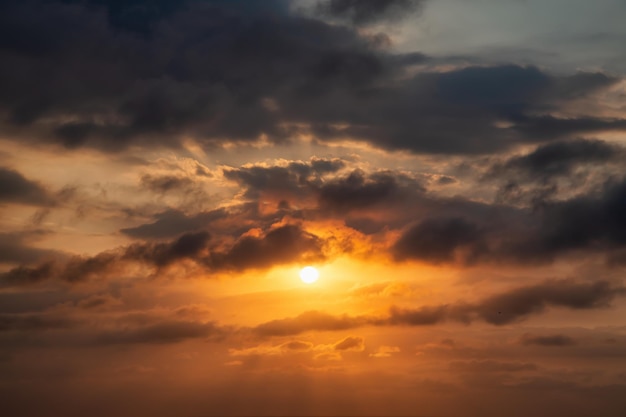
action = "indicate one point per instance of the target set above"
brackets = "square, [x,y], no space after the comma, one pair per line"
[309,275]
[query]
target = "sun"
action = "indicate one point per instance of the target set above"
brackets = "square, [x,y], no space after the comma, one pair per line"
[309,275]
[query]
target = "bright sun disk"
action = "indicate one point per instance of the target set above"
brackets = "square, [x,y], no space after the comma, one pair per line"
[309,275]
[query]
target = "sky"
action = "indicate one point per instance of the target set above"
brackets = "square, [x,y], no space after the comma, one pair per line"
[453,169]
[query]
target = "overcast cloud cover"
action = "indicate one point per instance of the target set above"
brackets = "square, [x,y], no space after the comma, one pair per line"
[455,170]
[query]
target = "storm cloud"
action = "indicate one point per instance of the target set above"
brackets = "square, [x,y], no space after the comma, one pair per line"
[162,73]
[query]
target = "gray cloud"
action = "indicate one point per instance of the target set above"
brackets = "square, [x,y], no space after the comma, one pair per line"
[312,320]
[358,191]
[161,332]
[589,222]
[15,188]
[166,183]
[501,309]
[547,340]
[362,12]
[350,343]
[438,240]
[16,248]
[33,322]
[172,223]
[520,303]
[295,179]
[559,159]
[285,244]
[162,72]
[482,366]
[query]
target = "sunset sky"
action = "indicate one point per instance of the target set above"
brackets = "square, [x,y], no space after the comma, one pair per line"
[454,170]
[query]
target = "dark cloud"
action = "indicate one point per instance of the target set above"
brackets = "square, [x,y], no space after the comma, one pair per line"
[520,303]
[508,307]
[97,301]
[547,340]
[556,169]
[551,227]
[312,320]
[32,322]
[336,193]
[166,183]
[559,159]
[151,73]
[491,366]
[358,191]
[537,224]
[23,275]
[424,316]
[462,111]
[202,67]
[296,179]
[173,222]
[547,225]
[16,248]
[15,188]
[297,345]
[280,245]
[593,221]
[163,332]
[362,12]
[188,246]
[546,127]
[508,88]
[138,16]
[439,240]
[350,343]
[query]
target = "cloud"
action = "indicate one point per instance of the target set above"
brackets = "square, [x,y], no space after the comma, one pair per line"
[23,275]
[166,73]
[548,127]
[312,320]
[163,332]
[166,183]
[283,244]
[555,170]
[501,309]
[359,191]
[327,182]
[362,12]
[589,223]
[15,188]
[350,343]
[522,302]
[187,246]
[33,322]
[297,345]
[481,366]
[546,340]
[439,240]
[172,223]
[15,248]
[424,316]
[98,302]
[559,159]
[296,178]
